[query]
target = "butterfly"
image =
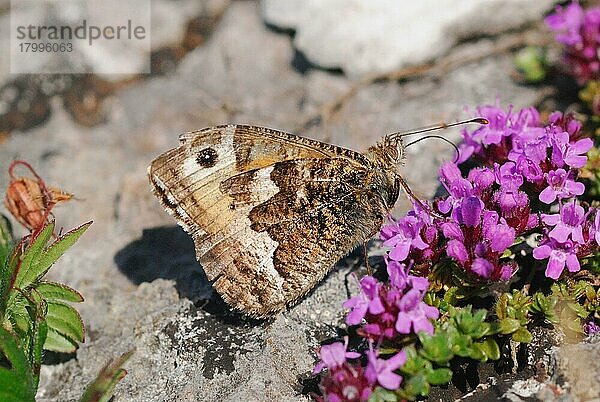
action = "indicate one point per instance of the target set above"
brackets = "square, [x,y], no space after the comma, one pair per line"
[272,212]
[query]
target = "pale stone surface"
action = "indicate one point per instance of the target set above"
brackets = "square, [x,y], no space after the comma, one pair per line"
[137,270]
[168,25]
[374,36]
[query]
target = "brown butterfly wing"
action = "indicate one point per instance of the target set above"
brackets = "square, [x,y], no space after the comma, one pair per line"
[270,213]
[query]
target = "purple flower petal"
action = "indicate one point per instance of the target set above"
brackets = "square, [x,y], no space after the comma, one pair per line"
[422,324]
[541,252]
[470,211]
[556,264]
[403,323]
[548,195]
[452,230]
[482,267]
[502,238]
[400,251]
[457,250]
[506,272]
[560,232]
[573,263]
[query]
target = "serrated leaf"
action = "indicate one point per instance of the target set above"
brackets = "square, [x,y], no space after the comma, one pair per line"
[509,325]
[7,276]
[439,376]
[56,342]
[17,383]
[414,363]
[19,316]
[66,321]
[27,272]
[102,388]
[38,338]
[522,335]
[52,291]
[57,249]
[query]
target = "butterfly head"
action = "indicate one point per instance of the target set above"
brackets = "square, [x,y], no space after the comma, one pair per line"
[388,153]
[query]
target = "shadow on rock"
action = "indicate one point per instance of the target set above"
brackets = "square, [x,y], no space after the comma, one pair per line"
[165,252]
[168,252]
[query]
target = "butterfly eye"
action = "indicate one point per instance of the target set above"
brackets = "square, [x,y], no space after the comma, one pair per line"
[207,157]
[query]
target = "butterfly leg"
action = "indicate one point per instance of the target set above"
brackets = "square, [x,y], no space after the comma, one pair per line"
[414,198]
[366,257]
[365,250]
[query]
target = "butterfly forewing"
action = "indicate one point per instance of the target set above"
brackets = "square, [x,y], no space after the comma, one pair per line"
[270,212]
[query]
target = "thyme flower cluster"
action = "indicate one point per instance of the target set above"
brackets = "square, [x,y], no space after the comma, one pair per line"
[514,178]
[525,171]
[578,30]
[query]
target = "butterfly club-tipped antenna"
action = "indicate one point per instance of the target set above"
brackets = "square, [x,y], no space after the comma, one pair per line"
[396,138]
[440,126]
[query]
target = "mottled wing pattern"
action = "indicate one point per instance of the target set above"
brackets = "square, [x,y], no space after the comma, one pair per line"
[270,213]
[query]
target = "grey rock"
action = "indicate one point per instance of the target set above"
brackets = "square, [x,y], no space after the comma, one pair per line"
[575,372]
[363,37]
[136,269]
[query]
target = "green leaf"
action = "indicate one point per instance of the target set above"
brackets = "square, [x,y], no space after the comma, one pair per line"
[532,63]
[477,353]
[17,382]
[383,395]
[6,240]
[509,325]
[18,315]
[490,348]
[38,338]
[27,272]
[52,291]
[436,348]
[57,249]
[450,295]
[415,386]
[65,320]
[461,344]
[7,276]
[56,342]
[414,363]
[501,306]
[578,309]
[102,388]
[590,292]
[522,335]
[439,376]
[494,328]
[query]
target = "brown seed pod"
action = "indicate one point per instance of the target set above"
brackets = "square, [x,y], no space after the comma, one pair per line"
[29,199]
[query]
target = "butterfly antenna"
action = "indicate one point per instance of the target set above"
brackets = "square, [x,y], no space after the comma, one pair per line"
[457,152]
[435,127]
